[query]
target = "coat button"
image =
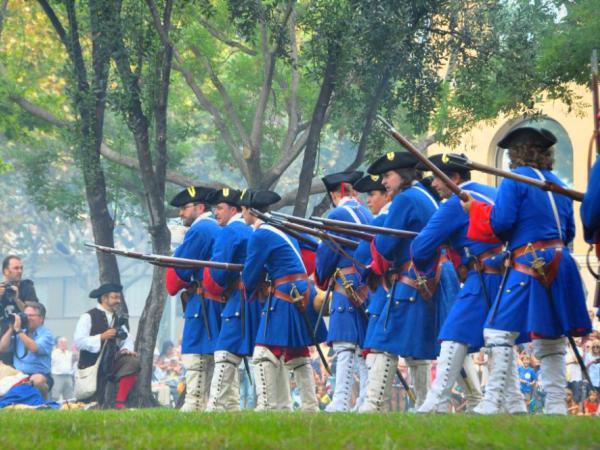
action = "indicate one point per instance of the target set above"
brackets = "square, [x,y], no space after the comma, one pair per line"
[508,291]
[522,283]
[350,308]
[340,308]
[195,315]
[396,302]
[237,314]
[411,299]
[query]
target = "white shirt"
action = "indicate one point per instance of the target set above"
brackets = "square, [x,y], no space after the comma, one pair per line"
[62,362]
[92,344]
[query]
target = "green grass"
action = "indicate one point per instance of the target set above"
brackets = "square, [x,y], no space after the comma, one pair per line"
[170,429]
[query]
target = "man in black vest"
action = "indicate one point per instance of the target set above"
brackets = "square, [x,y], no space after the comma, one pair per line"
[100,326]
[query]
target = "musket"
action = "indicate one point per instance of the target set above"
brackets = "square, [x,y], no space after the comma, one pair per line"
[347,229]
[168,261]
[373,229]
[266,217]
[542,184]
[424,160]
[303,229]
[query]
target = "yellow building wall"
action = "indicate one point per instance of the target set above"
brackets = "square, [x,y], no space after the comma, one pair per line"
[480,145]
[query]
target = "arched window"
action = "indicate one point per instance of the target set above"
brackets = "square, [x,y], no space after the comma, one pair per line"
[563,153]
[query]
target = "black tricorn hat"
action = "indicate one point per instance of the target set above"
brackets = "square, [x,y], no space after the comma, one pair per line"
[528,135]
[225,195]
[447,163]
[333,180]
[191,194]
[258,199]
[392,161]
[105,289]
[369,183]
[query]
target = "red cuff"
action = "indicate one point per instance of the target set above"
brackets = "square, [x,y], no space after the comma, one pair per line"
[173,283]
[323,285]
[379,265]
[597,245]
[308,258]
[211,285]
[480,228]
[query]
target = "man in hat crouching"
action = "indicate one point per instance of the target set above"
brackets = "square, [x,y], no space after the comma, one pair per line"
[99,327]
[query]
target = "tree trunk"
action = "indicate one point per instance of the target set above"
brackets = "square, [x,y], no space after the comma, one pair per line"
[317,122]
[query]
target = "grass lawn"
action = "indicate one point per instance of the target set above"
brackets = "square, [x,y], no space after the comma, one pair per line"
[153,428]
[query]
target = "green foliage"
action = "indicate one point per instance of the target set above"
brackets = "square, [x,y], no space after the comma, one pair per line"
[250,430]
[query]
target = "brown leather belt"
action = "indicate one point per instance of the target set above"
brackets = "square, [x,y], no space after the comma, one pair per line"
[478,262]
[425,286]
[553,243]
[361,293]
[547,272]
[289,279]
[215,298]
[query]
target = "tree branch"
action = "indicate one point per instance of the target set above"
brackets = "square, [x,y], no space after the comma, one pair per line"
[54,20]
[225,40]
[289,198]
[105,150]
[200,96]
[227,102]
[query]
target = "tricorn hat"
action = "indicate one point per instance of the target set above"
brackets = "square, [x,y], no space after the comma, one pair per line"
[528,135]
[392,161]
[369,183]
[225,195]
[333,180]
[105,289]
[258,199]
[191,194]
[447,163]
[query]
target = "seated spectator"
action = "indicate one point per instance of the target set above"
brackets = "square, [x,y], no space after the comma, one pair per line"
[527,377]
[590,405]
[592,362]
[62,370]
[99,326]
[31,346]
[323,397]
[573,408]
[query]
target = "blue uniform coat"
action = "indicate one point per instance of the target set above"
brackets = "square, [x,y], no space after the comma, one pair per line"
[273,252]
[449,226]
[345,322]
[523,214]
[198,244]
[590,208]
[230,247]
[414,323]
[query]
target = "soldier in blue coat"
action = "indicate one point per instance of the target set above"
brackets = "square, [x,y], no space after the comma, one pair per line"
[235,340]
[347,320]
[202,315]
[417,303]
[590,208]
[378,201]
[288,318]
[462,331]
[543,298]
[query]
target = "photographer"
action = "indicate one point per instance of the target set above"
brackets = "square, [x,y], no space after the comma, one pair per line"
[32,345]
[119,363]
[14,292]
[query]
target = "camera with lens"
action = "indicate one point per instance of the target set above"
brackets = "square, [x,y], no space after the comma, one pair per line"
[121,323]
[24,321]
[8,305]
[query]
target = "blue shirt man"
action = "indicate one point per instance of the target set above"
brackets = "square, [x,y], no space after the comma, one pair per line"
[32,344]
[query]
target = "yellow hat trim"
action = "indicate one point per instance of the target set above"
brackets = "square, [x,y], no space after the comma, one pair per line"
[192,191]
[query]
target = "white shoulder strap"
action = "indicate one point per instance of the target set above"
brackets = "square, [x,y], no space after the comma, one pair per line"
[286,239]
[485,198]
[352,213]
[552,203]
[428,195]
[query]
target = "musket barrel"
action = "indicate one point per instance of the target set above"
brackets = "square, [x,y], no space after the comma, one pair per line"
[348,230]
[168,261]
[424,160]
[369,228]
[545,185]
